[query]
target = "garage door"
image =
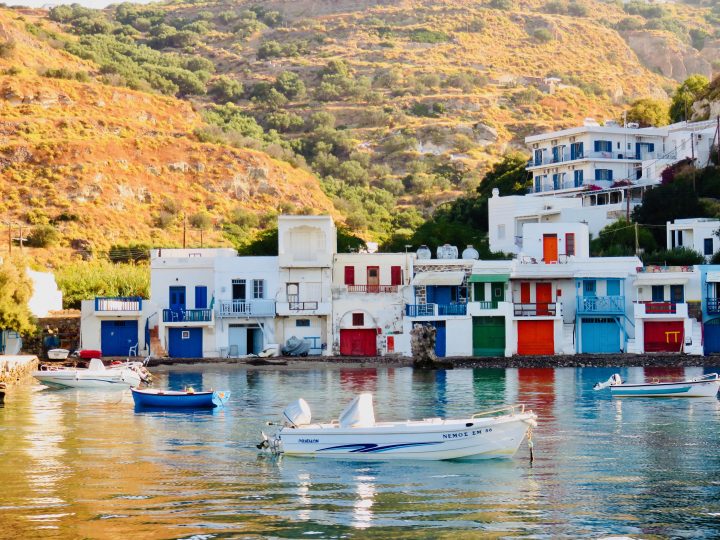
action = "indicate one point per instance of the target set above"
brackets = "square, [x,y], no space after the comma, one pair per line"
[536,337]
[599,335]
[185,343]
[711,336]
[116,337]
[665,336]
[358,342]
[488,336]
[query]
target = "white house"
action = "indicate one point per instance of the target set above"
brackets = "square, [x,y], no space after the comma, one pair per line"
[306,246]
[699,234]
[368,303]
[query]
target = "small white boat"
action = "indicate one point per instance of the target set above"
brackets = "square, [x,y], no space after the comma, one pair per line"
[356,434]
[705,386]
[58,354]
[96,375]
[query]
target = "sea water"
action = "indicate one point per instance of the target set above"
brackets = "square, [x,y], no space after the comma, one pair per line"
[85,464]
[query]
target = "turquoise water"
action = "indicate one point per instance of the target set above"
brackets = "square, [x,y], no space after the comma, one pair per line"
[84,464]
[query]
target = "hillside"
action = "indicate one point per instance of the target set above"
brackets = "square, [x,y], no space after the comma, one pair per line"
[396,106]
[111,166]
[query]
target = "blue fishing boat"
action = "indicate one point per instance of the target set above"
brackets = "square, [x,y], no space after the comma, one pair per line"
[173,399]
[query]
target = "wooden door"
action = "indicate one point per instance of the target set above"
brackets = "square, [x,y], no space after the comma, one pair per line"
[543,298]
[550,248]
[373,278]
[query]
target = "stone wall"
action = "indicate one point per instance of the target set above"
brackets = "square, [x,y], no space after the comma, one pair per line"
[54,332]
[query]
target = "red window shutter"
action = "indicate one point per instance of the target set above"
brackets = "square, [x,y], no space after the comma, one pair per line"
[395,275]
[358,319]
[570,244]
[349,275]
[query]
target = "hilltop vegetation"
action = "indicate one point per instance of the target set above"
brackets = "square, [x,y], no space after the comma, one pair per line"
[169,112]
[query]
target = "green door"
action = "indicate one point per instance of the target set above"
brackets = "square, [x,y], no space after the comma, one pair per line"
[498,292]
[488,336]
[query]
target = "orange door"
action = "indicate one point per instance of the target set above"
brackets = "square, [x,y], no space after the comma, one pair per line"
[373,278]
[550,248]
[543,298]
[536,337]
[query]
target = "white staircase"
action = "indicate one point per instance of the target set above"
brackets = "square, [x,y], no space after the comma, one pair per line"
[568,345]
[697,346]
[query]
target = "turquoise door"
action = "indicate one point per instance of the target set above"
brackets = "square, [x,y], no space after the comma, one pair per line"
[599,335]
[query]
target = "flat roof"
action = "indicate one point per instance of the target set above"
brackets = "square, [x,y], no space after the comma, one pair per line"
[609,130]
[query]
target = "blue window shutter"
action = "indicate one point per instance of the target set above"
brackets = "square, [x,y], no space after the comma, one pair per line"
[200,297]
[555,181]
[597,146]
[651,147]
[613,287]
[610,175]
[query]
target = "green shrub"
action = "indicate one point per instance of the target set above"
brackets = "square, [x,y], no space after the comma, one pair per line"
[7,49]
[424,35]
[543,35]
[284,121]
[225,89]
[43,236]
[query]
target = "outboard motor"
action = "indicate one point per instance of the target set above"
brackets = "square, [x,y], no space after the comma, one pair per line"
[614,380]
[297,413]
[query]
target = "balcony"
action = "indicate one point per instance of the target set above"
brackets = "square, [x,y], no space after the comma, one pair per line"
[118,304]
[535,310]
[187,315]
[487,305]
[243,308]
[548,158]
[614,305]
[435,310]
[713,305]
[661,310]
[372,289]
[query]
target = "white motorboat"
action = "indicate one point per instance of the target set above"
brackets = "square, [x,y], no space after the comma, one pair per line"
[356,434]
[96,375]
[705,386]
[58,354]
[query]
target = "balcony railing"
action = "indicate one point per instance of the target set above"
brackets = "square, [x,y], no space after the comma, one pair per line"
[601,304]
[535,310]
[487,305]
[302,306]
[372,289]
[244,308]
[660,307]
[187,315]
[713,305]
[435,310]
[118,303]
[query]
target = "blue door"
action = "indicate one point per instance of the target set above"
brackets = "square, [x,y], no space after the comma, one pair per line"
[439,295]
[711,331]
[600,335]
[200,297]
[589,288]
[116,337]
[440,339]
[185,342]
[177,299]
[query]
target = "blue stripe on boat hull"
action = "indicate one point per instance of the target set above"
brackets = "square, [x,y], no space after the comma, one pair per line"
[649,391]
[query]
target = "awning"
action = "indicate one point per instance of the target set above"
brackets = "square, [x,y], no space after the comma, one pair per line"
[489,278]
[662,281]
[439,278]
[713,277]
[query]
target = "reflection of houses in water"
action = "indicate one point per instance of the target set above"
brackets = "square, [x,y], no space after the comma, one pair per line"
[362,507]
[179,380]
[536,387]
[355,381]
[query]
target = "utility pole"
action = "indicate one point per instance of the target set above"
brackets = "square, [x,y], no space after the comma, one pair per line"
[9,224]
[717,140]
[21,237]
[692,153]
[184,230]
[637,244]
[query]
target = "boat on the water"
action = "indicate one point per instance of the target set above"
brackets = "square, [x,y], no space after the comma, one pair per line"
[705,386]
[356,434]
[185,399]
[96,375]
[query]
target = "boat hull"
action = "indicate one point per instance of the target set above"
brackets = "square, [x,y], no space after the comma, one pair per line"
[179,400]
[70,378]
[469,439]
[678,389]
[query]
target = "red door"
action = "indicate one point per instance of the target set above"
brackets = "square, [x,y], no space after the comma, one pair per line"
[358,342]
[524,293]
[664,336]
[536,337]
[543,298]
[550,248]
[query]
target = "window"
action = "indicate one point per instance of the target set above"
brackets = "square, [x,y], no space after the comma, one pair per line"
[556,153]
[578,178]
[479,292]
[658,293]
[576,150]
[570,244]
[613,287]
[538,184]
[679,238]
[395,275]
[556,181]
[604,174]
[185,334]
[293,292]
[708,246]
[349,275]
[603,146]
[677,294]
[302,322]
[358,319]
[538,157]
[259,288]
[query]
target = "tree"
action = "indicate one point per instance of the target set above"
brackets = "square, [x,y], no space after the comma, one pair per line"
[290,85]
[618,239]
[226,89]
[43,236]
[202,220]
[685,96]
[15,292]
[649,112]
[680,256]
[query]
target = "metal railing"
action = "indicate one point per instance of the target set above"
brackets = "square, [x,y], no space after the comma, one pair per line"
[118,303]
[187,315]
[246,308]
[434,310]
[535,310]
[452,309]
[713,305]
[302,306]
[372,289]
[487,305]
[601,304]
[660,307]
